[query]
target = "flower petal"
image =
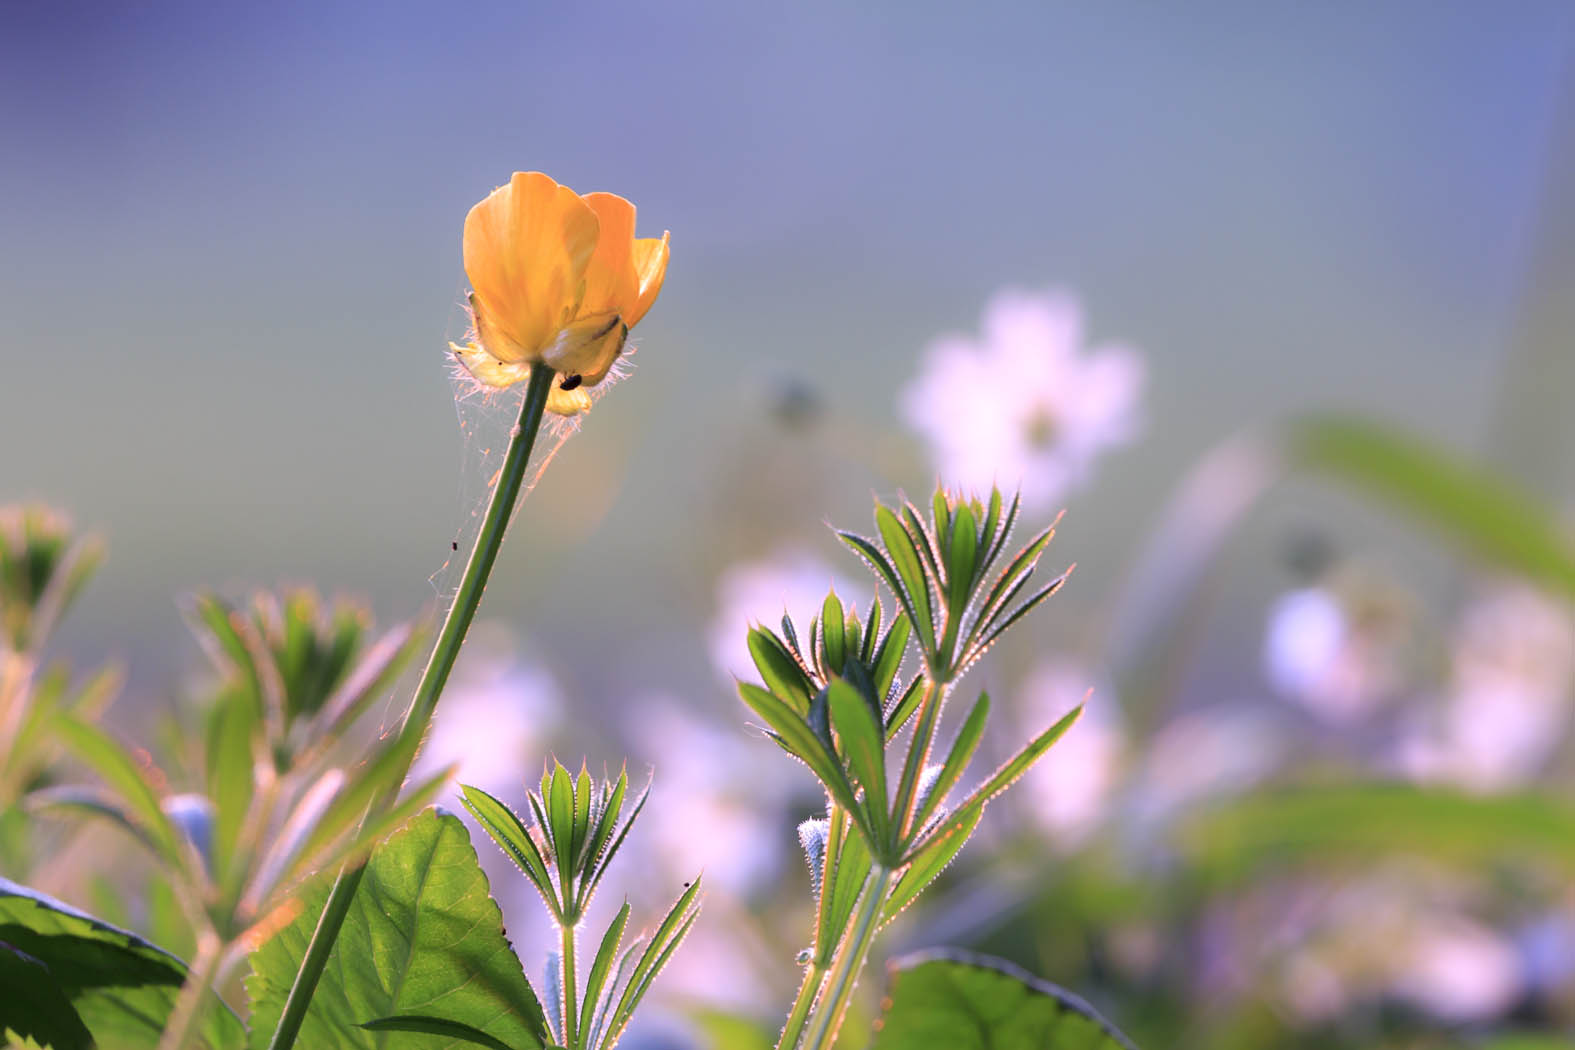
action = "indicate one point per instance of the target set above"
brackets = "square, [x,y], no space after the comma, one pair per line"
[488,370]
[588,347]
[650,267]
[610,279]
[527,247]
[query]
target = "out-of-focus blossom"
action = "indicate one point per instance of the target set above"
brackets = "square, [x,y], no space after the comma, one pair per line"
[1509,697]
[720,799]
[1459,970]
[1400,934]
[558,279]
[1214,751]
[1024,404]
[1069,789]
[1335,649]
[496,714]
[759,592]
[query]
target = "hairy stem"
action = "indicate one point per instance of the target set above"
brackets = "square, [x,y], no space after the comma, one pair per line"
[849,962]
[814,976]
[571,1013]
[479,566]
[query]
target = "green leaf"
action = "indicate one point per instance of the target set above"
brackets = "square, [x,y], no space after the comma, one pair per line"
[125,777]
[905,558]
[423,936]
[117,985]
[601,966]
[559,799]
[511,835]
[833,634]
[962,749]
[1489,517]
[668,936]
[1000,780]
[888,656]
[864,744]
[230,763]
[928,864]
[800,740]
[427,1025]
[848,864]
[964,1001]
[779,670]
[961,559]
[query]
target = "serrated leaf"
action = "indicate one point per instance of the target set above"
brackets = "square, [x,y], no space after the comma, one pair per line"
[963,1001]
[423,936]
[120,987]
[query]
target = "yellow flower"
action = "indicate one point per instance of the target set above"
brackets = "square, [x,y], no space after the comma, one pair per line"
[558,280]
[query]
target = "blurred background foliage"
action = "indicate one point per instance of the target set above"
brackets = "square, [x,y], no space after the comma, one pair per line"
[1323,583]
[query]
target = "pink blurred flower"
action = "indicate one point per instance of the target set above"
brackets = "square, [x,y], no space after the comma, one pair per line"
[1024,404]
[1509,698]
[1069,789]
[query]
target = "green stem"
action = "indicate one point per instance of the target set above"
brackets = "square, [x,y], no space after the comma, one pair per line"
[571,1015]
[814,976]
[496,522]
[192,1002]
[848,964]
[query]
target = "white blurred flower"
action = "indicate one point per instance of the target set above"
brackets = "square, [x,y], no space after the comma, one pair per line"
[1069,788]
[1509,699]
[759,592]
[1024,404]
[1335,649]
[719,795]
[495,715]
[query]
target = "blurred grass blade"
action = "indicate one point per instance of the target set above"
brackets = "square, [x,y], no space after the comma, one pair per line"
[1485,514]
[126,779]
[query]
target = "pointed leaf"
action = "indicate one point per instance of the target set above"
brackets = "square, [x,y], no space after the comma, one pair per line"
[962,749]
[779,669]
[506,829]
[864,745]
[999,781]
[801,742]
[929,863]
[905,558]
[833,638]
[596,982]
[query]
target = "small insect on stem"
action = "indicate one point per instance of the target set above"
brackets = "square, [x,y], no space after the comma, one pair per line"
[571,381]
[453,545]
